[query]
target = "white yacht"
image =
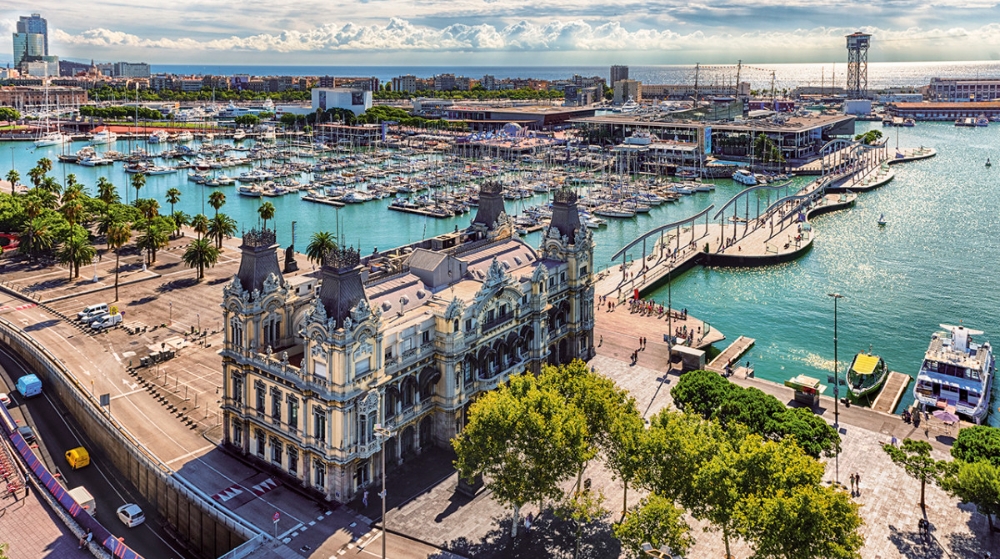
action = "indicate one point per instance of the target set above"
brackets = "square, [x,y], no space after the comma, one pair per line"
[744,177]
[52,139]
[185,137]
[105,136]
[239,135]
[956,372]
[630,106]
[158,136]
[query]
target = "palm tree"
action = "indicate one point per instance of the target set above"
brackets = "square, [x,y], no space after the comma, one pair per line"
[180,219]
[45,164]
[221,226]
[76,251]
[200,224]
[36,236]
[36,175]
[216,199]
[155,238]
[12,177]
[49,184]
[320,243]
[119,233]
[72,211]
[107,191]
[266,212]
[138,181]
[173,196]
[199,254]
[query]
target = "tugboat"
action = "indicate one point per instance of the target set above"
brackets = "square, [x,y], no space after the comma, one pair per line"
[866,376]
[956,374]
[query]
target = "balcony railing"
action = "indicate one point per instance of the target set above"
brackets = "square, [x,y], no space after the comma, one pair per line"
[497,322]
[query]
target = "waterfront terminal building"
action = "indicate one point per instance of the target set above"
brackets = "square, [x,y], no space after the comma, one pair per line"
[406,339]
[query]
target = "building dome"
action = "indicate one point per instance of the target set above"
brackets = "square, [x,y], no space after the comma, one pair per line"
[512,129]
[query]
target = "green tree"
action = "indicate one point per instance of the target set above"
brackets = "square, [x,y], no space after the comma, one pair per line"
[266,212]
[118,234]
[247,121]
[156,236]
[107,192]
[72,211]
[180,219]
[10,115]
[320,243]
[977,483]
[76,251]
[811,432]
[201,254]
[200,224]
[13,177]
[623,450]
[702,392]
[808,521]
[36,175]
[173,196]
[915,457]
[138,181]
[870,137]
[754,409]
[980,443]
[524,440]
[45,164]
[656,521]
[37,236]
[675,447]
[216,199]
[222,226]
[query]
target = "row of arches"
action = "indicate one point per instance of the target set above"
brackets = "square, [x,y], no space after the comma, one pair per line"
[413,389]
[498,356]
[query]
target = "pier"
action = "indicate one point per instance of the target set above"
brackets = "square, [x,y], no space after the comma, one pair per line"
[731,355]
[892,392]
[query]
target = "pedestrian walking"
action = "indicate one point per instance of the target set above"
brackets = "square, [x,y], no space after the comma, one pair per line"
[857,482]
[601,341]
[852,484]
[364,499]
[527,522]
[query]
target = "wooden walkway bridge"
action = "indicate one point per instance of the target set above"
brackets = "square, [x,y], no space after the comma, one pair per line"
[892,392]
[731,354]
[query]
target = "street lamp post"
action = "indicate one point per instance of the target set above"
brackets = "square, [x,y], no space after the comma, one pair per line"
[836,388]
[383,434]
[199,323]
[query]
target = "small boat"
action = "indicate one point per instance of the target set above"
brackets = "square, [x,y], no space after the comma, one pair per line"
[185,137]
[866,376]
[159,136]
[52,139]
[239,135]
[881,220]
[745,177]
[988,164]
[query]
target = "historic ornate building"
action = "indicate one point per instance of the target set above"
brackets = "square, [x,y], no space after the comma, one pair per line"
[406,339]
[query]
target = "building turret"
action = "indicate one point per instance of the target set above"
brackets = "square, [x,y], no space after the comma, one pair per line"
[490,205]
[342,287]
[259,260]
[565,216]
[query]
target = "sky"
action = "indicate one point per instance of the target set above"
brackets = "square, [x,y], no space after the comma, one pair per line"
[508,32]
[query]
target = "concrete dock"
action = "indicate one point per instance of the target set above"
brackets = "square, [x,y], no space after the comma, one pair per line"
[731,355]
[892,392]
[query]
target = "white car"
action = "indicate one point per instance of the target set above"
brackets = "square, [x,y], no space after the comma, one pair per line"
[131,515]
[4,399]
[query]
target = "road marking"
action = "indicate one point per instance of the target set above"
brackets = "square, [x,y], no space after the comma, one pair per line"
[126,394]
[190,454]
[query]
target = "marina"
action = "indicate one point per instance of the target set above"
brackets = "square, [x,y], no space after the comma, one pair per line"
[773,355]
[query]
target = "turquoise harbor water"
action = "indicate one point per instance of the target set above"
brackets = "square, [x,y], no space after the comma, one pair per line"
[936,262]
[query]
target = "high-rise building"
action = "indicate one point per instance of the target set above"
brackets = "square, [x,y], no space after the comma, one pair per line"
[28,47]
[130,70]
[624,90]
[618,73]
[38,25]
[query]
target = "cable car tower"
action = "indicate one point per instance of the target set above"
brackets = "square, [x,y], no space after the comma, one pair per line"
[857,65]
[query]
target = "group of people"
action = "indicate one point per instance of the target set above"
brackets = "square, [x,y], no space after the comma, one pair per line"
[642,347]
[855,485]
[604,299]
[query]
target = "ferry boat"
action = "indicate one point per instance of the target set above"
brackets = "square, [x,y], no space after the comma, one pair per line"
[745,177]
[956,372]
[866,376]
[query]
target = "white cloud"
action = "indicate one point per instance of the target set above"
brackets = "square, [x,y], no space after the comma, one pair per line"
[525,36]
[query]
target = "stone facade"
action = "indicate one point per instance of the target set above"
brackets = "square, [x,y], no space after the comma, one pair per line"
[405,339]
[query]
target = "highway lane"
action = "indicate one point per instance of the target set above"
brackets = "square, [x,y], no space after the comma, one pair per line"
[57,433]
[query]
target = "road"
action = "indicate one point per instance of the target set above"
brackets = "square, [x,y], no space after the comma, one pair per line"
[57,433]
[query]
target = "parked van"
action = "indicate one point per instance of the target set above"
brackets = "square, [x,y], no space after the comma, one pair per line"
[78,457]
[107,321]
[29,385]
[84,499]
[93,311]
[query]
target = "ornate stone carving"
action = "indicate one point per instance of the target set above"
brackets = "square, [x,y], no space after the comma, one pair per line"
[259,238]
[234,288]
[318,312]
[363,349]
[361,311]
[496,276]
[455,309]
[271,283]
[369,402]
[540,275]
[341,259]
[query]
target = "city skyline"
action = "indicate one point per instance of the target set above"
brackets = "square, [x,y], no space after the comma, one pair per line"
[517,32]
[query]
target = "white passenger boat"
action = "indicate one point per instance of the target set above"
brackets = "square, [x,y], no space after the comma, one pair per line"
[103,137]
[744,177]
[956,373]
